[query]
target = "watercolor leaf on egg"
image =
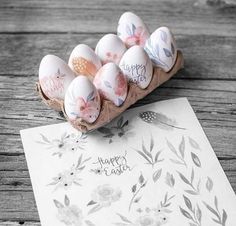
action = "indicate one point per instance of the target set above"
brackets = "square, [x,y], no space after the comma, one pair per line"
[167,52]
[163,36]
[107,84]
[129,32]
[90,96]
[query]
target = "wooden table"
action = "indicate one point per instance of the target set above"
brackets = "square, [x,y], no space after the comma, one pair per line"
[206,33]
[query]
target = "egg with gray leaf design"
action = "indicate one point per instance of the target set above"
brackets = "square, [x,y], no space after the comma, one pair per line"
[161,48]
[82,100]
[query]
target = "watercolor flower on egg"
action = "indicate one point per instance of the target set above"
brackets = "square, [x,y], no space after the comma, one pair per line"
[88,108]
[121,86]
[83,66]
[103,196]
[137,35]
[52,84]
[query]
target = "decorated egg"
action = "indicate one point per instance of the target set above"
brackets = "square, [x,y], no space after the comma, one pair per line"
[111,83]
[137,66]
[110,48]
[132,30]
[161,48]
[54,77]
[82,100]
[84,61]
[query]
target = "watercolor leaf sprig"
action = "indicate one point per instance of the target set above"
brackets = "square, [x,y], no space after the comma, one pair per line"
[218,217]
[194,214]
[148,155]
[136,188]
[195,190]
[180,154]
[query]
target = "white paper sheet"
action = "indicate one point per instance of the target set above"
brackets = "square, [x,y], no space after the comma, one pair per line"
[152,166]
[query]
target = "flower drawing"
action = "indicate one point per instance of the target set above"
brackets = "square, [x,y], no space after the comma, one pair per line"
[151,219]
[116,130]
[136,35]
[88,109]
[103,196]
[68,214]
[69,177]
[53,84]
[121,84]
[66,143]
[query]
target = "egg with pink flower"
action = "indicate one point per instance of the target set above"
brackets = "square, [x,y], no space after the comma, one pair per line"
[54,77]
[82,100]
[110,48]
[111,83]
[132,30]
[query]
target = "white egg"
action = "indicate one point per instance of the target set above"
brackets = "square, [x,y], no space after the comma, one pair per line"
[111,83]
[110,48]
[132,30]
[82,100]
[84,61]
[54,77]
[161,48]
[137,66]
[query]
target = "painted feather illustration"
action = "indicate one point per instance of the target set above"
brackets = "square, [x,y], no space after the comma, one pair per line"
[160,120]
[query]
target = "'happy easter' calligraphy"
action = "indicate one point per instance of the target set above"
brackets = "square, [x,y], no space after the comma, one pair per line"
[112,166]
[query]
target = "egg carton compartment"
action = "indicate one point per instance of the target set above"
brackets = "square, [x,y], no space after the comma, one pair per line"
[108,110]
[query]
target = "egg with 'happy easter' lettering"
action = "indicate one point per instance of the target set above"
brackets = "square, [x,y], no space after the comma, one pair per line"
[82,100]
[111,83]
[132,30]
[161,48]
[84,61]
[54,77]
[110,48]
[137,66]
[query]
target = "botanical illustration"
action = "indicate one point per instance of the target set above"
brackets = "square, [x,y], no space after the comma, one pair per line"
[193,189]
[136,35]
[170,180]
[66,143]
[179,154]
[153,51]
[103,196]
[160,120]
[147,153]
[52,84]
[116,130]
[156,216]
[194,143]
[218,216]
[69,177]
[70,214]
[192,213]
[136,188]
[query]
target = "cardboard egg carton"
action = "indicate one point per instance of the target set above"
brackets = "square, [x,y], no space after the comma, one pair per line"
[109,111]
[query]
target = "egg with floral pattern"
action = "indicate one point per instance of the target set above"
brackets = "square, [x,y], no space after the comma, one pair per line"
[111,83]
[132,30]
[54,77]
[84,61]
[161,48]
[137,66]
[82,100]
[110,48]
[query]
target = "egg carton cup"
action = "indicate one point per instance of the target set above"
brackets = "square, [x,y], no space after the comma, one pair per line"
[109,111]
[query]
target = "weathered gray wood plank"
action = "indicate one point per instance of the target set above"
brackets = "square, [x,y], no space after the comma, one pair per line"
[56,16]
[206,57]
[12,223]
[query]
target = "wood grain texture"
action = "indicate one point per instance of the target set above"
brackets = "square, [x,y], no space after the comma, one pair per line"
[31,29]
